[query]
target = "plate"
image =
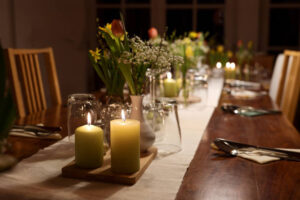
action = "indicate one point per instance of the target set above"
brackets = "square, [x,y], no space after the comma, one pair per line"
[244,94]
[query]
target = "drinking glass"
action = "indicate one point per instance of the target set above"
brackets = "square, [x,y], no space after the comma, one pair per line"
[79,105]
[168,136]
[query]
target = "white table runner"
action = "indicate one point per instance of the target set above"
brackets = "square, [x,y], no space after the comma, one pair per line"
[38,177]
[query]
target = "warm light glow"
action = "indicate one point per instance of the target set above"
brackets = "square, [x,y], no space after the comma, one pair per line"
[227,65]
[232,66]
[219,65]
[123,115]
[89,120]
[169,75]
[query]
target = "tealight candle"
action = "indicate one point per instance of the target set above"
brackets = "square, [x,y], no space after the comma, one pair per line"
[227,70]
[125,145]
[219,65]
[89,145]
[170,86]
[232,67]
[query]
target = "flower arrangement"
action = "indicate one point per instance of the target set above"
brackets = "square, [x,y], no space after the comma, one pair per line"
[244,55]
[121,59]
[218,54]
[143,55]
[191,48]
[104,59]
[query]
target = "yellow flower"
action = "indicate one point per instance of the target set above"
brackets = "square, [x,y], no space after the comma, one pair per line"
[189,52]
[186,40]
[220,48]
[95,54]
[193,34]
[107,28]
[250,44]
[229,54]
[200,43]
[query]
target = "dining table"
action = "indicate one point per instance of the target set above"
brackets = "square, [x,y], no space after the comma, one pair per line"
[196,172]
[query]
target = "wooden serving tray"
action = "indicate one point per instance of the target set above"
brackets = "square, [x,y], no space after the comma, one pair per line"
[104,172]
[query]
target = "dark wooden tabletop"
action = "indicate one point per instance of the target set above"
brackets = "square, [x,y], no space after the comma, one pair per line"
[22,147]
[211,176]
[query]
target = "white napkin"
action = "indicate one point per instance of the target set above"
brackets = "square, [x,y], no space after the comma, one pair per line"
[257,155]
[54,136]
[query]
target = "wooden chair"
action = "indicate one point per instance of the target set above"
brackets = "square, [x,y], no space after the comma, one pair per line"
[27,79]
[289,84]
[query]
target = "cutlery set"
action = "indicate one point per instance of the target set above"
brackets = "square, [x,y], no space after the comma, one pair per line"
[37,131]
[234,149]
[247,110]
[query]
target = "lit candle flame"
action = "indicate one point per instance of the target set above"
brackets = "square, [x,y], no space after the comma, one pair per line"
[219,65]
[232,65]
[169,75]
[89,120]
[228,65]
[123,115]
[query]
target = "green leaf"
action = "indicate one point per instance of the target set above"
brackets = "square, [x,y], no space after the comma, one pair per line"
[125,69]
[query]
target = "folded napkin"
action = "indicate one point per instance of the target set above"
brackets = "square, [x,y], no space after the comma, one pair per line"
[258,156]
[54,136]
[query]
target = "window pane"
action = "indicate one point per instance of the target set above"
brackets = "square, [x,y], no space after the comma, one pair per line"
[108,1]
[179,1]
[107,15]
[138,22]
[137,1]
[285,1]
[211,1]
[212,21]
[179,21]
[284,27]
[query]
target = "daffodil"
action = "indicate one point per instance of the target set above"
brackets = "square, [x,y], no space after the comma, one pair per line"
[187,40]
[95,54]
[250,44]
[189,51]
[220,48]
[229,54]
[193,35]
[107,28]
[200,43]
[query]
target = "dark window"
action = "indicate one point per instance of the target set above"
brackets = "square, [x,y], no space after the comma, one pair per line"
[137,1]
[211,1]
[179,1]
[284,1]
[179,21]
[107,15]
[109,1]
[284,27]
[212,21]
[138,22]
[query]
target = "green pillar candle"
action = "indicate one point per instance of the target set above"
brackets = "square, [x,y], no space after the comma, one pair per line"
[89,146]
[170,86]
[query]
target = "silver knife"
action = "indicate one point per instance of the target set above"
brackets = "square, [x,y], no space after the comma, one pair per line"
[232,148]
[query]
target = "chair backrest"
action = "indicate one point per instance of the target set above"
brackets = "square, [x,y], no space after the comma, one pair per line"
[274,85]
[27,79]
[289,84]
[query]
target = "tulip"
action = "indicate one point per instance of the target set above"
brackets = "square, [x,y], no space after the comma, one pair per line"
[152,32]
[117,28]
[239,43]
